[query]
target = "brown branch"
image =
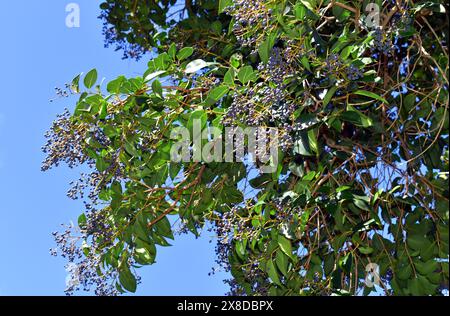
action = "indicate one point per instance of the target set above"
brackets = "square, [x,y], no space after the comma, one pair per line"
[174,204]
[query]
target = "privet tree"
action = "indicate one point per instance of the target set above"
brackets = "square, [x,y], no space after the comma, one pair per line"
[358,91]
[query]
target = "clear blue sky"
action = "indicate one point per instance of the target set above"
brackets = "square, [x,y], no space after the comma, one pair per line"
[39,52]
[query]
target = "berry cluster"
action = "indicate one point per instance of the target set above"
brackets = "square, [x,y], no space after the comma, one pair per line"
[333,65]
[264,102]
[98,227]
[243,107]
[112,38]
[249,14]
[254,277]
[83,275]
[67,244]
[230,226]
[354,73]
[62,93]
[381,43]
[84,260]
[65,143]
[78,188]
[277,68]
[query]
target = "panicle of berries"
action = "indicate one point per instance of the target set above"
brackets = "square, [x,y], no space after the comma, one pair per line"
[236,288]
[285,210]
[381,43]
[333,65]
[243,107]
[84,260]
[230,226]
[63,93]
[88,182]
[249,14]
[83,275]
[254,277]
[402,18]
[262,103]
[98,227]
[112,38]
[281,111]
[206,82]
[277,68]
[67,244]
[354,73]
[64,143]
[286,140]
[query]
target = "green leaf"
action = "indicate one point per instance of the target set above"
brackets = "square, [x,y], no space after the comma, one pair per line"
[217,27]
[356,118]
[370,95]
[240,248]
[103,111]
[282,262]
[329,95]
[174,169]
[115,85]
[153,75]
[305,62]
[346,262]
[142,256]
[197,115]
[229,77]
[265,49]
[309,176]
[90,78]
[163,228]
[216,94]
[130,149]
[101,164]
[75,84]
[285,245]
[346,52]
[328,265]
[172,50]
[403,271]
[223,4]
[272,272]
[361,204]
[312,139]
[302,145]
[82,220]
[197,65]
[308,4]
[127,279]
[299,11]
[157,88]
[235,60]
[365,250]
[161,62]
[416,242]
[185,52]
[232,195]
[426,268]
[246,74]
[409,102]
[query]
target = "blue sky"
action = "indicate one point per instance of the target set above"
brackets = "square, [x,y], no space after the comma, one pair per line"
[39,53]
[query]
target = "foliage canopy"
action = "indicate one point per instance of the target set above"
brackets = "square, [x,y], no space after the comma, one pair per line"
[363,173]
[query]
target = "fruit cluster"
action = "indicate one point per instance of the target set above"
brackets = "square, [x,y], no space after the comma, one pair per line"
[249,14]
[65,143]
